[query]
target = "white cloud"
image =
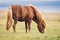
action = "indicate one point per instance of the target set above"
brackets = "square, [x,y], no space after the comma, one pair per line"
[25,0]
[18,0]
[52,0]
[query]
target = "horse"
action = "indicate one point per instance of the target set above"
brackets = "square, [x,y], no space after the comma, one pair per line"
[26,14]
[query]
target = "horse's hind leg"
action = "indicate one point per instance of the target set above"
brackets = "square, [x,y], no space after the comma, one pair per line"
[14,25]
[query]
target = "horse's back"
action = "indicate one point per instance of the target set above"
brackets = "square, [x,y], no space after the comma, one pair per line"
[22,13]
[29,11]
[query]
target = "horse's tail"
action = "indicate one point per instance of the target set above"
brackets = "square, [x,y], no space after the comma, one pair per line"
[39,16]
[9,18]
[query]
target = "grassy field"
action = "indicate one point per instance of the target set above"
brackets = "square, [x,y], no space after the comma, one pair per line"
[52,31]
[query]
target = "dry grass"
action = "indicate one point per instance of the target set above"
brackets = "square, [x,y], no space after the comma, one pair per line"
[52,31]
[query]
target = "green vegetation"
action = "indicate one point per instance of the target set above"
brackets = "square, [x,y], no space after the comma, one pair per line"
[52,31]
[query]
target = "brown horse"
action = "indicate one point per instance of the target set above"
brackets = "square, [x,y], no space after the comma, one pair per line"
[27,14]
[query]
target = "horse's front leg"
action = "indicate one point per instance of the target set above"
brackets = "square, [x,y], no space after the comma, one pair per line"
[26,26]
[29,23]
[14,25]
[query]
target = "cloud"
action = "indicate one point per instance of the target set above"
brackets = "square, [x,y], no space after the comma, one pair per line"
[50,0]
[25,0]
[19,0]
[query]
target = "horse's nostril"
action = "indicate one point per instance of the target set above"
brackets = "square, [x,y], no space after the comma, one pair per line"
[42,31]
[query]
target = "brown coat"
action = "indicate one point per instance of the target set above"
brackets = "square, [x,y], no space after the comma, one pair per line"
[27,14]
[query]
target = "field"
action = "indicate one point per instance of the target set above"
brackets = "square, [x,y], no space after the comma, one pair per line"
[52,31]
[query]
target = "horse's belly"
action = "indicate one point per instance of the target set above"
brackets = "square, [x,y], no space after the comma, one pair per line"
[20,19]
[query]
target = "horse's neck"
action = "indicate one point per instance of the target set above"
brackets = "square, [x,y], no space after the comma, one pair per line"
[35,19]
[38,18]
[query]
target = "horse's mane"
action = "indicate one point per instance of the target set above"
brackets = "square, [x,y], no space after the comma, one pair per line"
[39,15]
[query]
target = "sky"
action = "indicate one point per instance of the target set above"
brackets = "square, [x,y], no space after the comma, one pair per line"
[42,5]
[25,0]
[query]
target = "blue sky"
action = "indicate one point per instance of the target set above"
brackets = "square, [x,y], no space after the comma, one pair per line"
[42,5]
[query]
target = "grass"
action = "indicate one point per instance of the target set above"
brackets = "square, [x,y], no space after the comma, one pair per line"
[52,31]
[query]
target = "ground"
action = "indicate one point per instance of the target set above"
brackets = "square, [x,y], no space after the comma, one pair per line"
[52,31]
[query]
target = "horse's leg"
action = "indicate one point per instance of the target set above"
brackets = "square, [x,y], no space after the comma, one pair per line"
[14,25]
[26,26]
[29,23]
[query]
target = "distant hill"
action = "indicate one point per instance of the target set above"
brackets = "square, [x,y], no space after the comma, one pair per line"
[46,15]
[51,15]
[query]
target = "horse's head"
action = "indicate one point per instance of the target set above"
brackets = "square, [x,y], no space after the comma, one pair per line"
[41,26]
